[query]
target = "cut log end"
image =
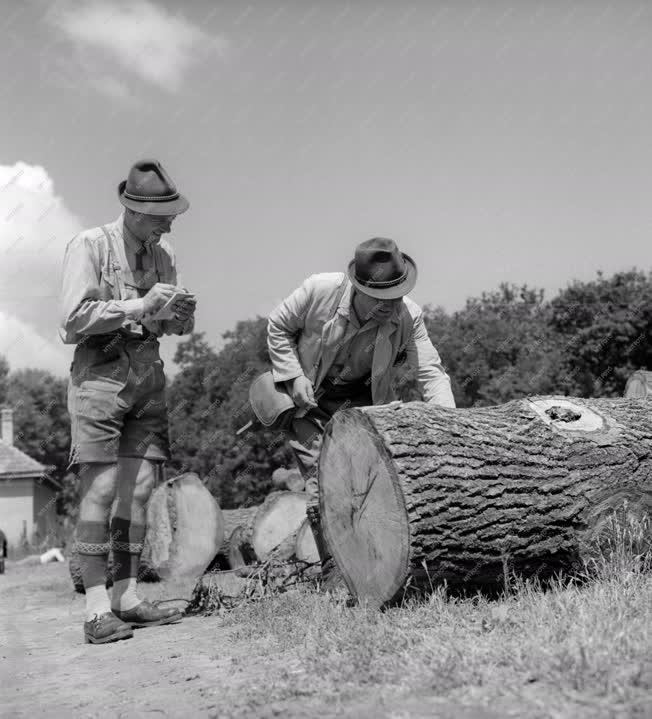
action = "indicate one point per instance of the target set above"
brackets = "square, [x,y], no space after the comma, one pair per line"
[306,548]
[566,415]
[279,517]
[363,511]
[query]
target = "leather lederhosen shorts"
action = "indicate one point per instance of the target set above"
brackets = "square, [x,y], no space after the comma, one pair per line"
[116,400]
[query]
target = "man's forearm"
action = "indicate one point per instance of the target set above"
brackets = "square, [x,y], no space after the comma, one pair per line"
[94,317]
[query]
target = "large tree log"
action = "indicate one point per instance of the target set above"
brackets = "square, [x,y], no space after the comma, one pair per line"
[420,492]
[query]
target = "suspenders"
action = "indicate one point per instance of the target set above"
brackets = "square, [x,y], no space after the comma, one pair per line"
[112,259]
[117,258]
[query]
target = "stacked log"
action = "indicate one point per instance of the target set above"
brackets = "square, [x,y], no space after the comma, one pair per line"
[277,523]
[291,479]
[234,519]
[276,530]
[415,493]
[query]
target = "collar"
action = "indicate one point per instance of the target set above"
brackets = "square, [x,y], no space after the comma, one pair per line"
[134,244]
[346,309]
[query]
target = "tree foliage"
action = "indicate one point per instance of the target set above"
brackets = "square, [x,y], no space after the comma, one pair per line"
[603,328]
[41,422]
[499,346]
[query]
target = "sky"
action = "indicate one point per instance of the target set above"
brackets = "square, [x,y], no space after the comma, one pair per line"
[494,141]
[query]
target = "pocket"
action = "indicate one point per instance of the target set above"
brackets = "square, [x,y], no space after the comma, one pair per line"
[101,370]
[108,282]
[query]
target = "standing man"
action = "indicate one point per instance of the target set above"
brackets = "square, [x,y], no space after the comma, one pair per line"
[334,342]
[115,278]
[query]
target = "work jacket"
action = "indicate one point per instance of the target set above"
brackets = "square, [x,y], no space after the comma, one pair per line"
[304,335]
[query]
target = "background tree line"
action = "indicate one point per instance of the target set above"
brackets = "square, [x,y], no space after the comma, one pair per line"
[505,344]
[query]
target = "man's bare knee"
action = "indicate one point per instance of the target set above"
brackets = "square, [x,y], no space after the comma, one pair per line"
[145,482]
[98,487]
[137,480]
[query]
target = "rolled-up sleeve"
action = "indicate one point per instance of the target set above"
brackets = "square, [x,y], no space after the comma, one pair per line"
[283,327]
[82,310]
[434,383]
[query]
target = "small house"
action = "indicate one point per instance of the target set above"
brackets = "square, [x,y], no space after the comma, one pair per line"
[27,492]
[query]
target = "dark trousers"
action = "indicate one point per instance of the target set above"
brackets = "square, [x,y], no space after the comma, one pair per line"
[307,433]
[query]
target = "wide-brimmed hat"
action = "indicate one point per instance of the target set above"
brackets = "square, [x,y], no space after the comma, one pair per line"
[149,189]
[380,270]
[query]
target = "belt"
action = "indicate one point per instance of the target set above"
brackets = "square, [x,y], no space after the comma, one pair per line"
[344,390]
[112,338]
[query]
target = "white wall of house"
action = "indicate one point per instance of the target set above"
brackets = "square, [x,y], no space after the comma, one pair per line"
[16,508]
[45,509]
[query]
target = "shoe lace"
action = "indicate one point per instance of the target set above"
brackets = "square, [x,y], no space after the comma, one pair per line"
[96,619]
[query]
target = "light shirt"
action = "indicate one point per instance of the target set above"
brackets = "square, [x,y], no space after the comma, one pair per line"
[90,292]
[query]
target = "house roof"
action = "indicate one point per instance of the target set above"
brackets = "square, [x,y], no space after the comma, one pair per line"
[15,463]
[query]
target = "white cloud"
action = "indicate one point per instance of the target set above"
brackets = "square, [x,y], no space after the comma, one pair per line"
[143,39]
[22,346]
[35,226]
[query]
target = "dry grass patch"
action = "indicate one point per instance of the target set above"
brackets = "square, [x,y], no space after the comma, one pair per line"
[587,642]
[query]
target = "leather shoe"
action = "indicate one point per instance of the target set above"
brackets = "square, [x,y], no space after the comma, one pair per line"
[147,614]
[105,628]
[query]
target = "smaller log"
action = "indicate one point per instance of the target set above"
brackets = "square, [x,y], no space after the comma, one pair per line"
[185,527]
[233,518]
[289,479]
[305,548]
[240,552]
[279,517]
[639,385]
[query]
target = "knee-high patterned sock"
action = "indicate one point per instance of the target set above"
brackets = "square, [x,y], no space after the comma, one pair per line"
[92,545]
[127,543]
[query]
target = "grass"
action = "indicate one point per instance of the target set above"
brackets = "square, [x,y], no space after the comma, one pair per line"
[581,647]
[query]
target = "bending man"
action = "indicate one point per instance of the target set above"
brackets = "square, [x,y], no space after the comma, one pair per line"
[334,342]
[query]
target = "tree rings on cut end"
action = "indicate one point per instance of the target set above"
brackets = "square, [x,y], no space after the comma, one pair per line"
[363,511]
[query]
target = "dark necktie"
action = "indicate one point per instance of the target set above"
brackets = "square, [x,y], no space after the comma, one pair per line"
[139,258]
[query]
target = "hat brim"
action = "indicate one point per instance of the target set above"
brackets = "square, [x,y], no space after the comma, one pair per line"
[171,207]
[387,293]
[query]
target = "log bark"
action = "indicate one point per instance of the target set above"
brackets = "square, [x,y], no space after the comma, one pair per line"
[424,493]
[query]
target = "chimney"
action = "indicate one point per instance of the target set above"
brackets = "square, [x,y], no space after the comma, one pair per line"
[8,425]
